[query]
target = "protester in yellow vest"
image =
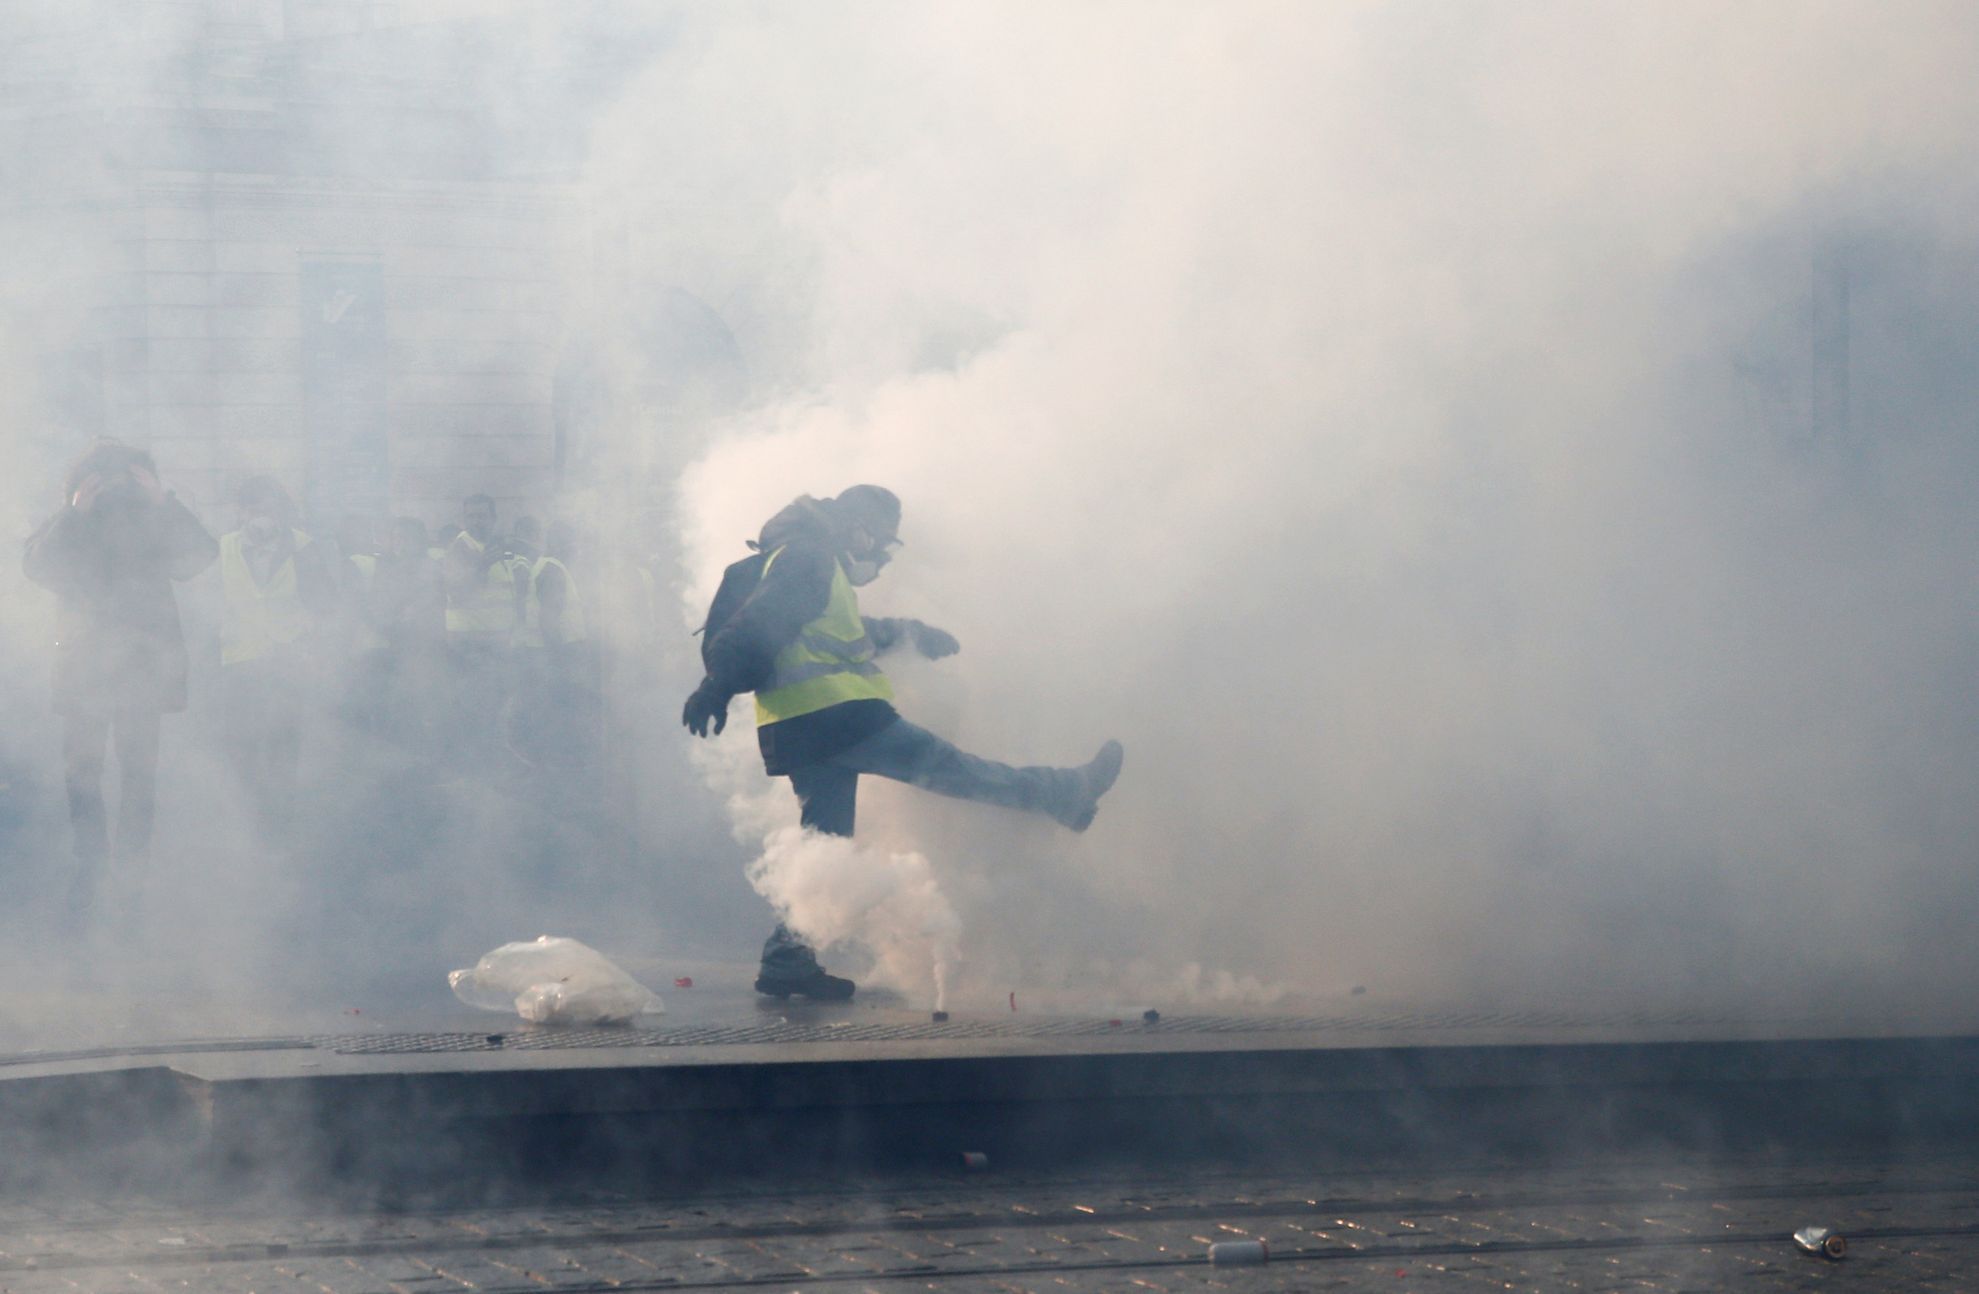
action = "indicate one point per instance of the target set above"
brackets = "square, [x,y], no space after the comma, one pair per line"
[276,588]
[785,625]
[484,580]
[554,612]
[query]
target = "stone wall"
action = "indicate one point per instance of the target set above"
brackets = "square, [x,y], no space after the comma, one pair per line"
[206,357]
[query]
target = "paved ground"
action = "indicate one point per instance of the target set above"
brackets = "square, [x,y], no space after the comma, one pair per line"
[1666,1226]
[1637,1228]
[127,1008]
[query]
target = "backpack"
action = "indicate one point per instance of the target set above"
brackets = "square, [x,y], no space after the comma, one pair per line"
[738,582]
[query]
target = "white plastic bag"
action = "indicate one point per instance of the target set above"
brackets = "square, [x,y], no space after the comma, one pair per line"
[552,980]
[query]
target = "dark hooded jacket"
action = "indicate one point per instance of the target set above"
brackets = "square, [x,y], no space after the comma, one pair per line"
[119,644]
[755,615]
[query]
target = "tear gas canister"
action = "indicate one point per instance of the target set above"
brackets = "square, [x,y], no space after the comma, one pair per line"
[1821,1241]
[1229,1253]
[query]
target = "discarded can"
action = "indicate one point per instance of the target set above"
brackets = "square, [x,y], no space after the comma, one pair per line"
[941,1017]
[1821,1241]
[1234,1253]
[684,981]
[1150,1016]
[974,1161]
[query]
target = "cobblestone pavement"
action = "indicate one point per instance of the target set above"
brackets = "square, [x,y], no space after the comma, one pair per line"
[1648,1227]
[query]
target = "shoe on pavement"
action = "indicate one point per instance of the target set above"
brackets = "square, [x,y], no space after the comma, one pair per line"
[1097,776]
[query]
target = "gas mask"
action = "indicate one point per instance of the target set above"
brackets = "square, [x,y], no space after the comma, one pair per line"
[861,571]
[866,553]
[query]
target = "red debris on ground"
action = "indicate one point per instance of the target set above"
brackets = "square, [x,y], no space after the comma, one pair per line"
[685,981]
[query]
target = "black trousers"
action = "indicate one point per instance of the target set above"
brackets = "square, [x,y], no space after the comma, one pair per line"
[86,738]
[827,798]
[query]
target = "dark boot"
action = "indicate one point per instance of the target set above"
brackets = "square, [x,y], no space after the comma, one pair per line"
[1090,781]
[791,968]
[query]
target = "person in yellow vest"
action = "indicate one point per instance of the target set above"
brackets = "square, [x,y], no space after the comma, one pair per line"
[553,615]
[525,539]
[486,585]
[785,624]
[276,589]
[484,589]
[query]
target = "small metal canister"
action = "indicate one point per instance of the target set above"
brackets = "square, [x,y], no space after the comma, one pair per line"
[1823,1242]
[1226,1253]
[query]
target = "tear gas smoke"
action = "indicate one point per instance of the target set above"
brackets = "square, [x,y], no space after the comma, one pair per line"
[1355,411]
[1500,470]
[840,893]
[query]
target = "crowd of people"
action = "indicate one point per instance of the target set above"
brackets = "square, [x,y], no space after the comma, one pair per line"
[417,663]
[470,651]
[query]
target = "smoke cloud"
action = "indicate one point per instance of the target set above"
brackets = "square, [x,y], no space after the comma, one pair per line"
[1394,424]
[1500,470]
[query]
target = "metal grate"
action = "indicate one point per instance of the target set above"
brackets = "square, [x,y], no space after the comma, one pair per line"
[509,1035]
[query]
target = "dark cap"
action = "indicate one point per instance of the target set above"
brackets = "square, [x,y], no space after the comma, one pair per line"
[873,507]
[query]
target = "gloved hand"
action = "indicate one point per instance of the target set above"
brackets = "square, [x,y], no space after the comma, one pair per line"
[708,706]
[934,643]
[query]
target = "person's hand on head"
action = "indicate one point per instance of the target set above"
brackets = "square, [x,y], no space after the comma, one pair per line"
[153,488]
[85,495]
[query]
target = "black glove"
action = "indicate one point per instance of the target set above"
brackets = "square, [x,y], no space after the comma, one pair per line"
[934,643]
[707,706]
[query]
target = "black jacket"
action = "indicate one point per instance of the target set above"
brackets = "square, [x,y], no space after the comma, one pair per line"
[119,645]
[756,615]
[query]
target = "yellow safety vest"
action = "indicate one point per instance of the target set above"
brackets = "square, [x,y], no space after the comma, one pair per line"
[258,617]
[575,628]
[490,607]
[829,663]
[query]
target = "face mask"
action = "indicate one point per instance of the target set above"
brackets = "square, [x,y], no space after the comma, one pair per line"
[262,530]
[860,572]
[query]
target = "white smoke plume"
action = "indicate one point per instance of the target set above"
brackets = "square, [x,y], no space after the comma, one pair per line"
[832,890]
[1389,421]
[880,903]
[1417,431]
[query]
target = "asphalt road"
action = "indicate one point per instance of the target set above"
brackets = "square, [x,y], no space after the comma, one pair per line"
[1642,1227]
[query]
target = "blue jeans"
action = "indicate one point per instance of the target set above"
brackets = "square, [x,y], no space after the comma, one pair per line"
[828,790]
